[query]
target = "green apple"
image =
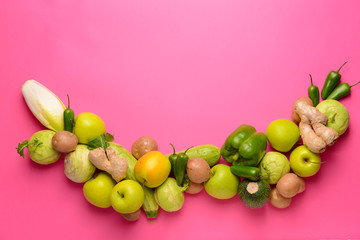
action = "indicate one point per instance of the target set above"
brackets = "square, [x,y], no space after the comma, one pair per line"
[97,190]
[304,162]
[127,196]
[282,134]
[222,184]
[88,125]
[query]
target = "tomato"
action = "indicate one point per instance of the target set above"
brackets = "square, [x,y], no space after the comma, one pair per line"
[88,125]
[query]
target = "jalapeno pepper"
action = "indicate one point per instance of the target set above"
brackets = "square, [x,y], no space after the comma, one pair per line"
[313,93]
[172,158]
[341,91]
[252,173]
[68,117]
[178,165]
[332,80]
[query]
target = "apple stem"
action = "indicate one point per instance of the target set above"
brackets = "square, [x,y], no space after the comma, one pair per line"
[121,195]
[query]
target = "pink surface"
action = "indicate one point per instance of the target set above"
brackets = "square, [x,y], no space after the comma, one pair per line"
[186,72]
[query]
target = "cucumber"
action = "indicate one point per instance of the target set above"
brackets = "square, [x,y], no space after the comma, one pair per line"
[150,206]
[254,194]
[210,153]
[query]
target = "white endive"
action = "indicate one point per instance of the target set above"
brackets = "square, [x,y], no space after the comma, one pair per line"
[44,104]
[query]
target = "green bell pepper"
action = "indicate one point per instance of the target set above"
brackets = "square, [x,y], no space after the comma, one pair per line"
[244,146]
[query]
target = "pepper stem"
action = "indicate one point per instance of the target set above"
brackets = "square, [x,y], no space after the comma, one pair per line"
[311,80]
[341,67]
[173,147]
[355,84]
[188,149]
[68,101]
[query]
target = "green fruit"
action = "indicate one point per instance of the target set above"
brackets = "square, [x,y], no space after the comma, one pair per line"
[273,166]
[88,125]
[282,134]
[40,147]
[304,162]
[254,194]
[223,183]
[127,196]
[169,195]
[338,115]
[97,190]
[77,166]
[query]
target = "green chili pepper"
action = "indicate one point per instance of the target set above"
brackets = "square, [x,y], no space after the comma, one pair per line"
[172,158]
[252,173]
[341,91]
[313,93]
[68,117]
[180,167]
[332,80]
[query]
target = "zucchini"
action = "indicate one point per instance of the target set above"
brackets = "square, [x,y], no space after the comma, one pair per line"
[210,153]
[150,206]
[254,194]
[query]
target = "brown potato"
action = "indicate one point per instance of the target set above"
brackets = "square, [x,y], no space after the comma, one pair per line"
[194,188]
[277,200]
[198,170]
[64,141]
[290,184]
[132,216]
[143,145]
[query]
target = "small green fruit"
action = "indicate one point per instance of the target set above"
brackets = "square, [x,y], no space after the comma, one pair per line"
[282,134]
[88,125]
[127,196]
[304,162]
[338,115]
[97,190]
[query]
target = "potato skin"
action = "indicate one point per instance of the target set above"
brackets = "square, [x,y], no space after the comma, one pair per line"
[132,216]
[64,141]
[143,145]
[194,188]
[198,170]
[277,200]
[289,185]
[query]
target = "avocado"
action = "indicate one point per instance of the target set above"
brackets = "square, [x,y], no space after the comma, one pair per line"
[254,194]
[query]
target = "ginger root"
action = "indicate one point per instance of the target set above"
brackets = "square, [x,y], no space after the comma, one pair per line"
[314,133]
[111,163]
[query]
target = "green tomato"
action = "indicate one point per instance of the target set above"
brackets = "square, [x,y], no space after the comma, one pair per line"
[282,134]
[88,125]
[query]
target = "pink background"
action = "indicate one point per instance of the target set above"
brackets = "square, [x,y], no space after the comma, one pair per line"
[187,72]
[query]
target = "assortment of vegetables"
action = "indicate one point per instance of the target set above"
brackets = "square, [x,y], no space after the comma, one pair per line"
[147,179]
